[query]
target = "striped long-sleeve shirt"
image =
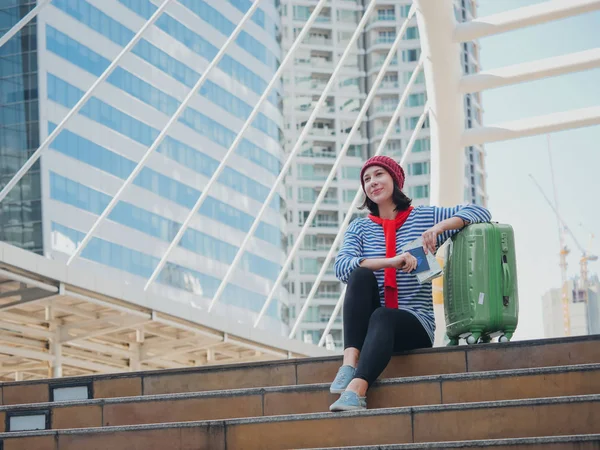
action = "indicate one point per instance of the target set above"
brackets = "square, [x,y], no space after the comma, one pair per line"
[364,240]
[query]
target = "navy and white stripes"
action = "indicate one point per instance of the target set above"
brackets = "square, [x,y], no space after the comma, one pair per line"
[364,240]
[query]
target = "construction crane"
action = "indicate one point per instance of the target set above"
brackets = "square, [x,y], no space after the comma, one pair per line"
[564,251]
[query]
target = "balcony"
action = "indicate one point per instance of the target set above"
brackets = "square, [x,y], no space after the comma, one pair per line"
[317,154]
[389,85]
[384,40]
[323,131]
[323,19]
[384,18]
[381,131]
[378,64]
[318,40]
[326,200]
[315,271]
[385,108]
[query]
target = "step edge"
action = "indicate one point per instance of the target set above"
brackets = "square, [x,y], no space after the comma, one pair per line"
[474,443]
[315,416]
[301,361]
[241,392]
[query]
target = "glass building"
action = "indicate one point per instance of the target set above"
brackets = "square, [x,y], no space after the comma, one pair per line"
[45,70]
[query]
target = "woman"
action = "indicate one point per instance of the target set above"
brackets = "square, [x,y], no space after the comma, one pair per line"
[386,310]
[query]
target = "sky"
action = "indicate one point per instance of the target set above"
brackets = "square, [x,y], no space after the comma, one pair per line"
[513,197]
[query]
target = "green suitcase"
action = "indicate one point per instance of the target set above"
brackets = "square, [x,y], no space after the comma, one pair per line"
[480,284]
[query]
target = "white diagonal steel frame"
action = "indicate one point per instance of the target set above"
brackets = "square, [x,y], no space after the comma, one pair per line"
[213,179]
[165,129]
[24,21]
[307,128]
[356,200]
[407,151]
[357,124]
[36,155]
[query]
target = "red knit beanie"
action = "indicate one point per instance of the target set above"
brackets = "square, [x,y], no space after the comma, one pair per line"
[388,164]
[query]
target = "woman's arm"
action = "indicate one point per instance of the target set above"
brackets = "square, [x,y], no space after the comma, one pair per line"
[449,221]
[405,262]
[351,256]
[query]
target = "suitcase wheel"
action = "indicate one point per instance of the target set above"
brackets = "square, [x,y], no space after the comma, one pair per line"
[503,338]
[473,338]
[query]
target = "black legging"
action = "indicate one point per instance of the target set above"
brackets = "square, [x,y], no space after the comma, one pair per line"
[375,330]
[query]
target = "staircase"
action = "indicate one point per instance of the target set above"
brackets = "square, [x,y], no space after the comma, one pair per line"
[522,395]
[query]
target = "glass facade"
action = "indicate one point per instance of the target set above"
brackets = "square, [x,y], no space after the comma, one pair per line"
[20,211]
[99,148]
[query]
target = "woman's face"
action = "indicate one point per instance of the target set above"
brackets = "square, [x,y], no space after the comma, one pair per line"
[379,185]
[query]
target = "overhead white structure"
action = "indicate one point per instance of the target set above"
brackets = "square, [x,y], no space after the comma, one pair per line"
[443,72]
[58,320]
[531,71]
[533,126]
[526,16]
[441,37]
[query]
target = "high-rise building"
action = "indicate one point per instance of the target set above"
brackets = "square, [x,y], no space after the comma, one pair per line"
[584,310]
[303,83]
[45,70]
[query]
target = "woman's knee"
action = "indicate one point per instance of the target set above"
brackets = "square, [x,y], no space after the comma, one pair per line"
[380,317]
[361,276]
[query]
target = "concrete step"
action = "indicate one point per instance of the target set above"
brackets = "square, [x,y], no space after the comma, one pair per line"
[488,357]
[255,402]
[559,416]
[578,442]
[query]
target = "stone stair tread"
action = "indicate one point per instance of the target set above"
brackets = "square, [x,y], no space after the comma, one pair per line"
[322,359]
[307,387]
[491,443]
[484,420]
[307,371]
[323,415]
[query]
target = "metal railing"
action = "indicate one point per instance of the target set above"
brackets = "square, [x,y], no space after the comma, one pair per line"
[284,170]
[230,151]
[355,127]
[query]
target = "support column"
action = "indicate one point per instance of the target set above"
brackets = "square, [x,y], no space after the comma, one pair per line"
[135,351]
[55,369]
[443,72]
[134,358]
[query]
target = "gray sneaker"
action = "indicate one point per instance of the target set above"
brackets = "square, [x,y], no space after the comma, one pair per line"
[342,379]
[349,401]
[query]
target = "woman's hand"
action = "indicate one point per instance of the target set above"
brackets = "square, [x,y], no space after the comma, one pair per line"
[404,262]
[430,238]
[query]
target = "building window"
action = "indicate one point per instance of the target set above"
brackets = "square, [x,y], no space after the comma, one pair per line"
[419,168]
[411,33]
[419,192]
[411,55]
[422,145]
